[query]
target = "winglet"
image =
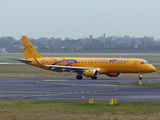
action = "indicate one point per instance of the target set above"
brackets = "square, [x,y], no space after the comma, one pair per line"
[29,50]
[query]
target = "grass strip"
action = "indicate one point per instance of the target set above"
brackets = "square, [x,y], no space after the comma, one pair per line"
[135,84]
[78,110]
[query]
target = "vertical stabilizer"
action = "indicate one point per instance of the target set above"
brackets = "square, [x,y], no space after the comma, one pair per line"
[29,50]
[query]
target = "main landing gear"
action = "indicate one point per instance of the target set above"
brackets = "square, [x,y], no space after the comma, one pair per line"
[94,78]
[79,77]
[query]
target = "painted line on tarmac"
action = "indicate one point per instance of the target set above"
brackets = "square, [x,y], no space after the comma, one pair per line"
[54,80]
[81,92]
[26,92]
[40,94]
[56,93]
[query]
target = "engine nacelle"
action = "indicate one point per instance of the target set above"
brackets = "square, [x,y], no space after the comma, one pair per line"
[91,73]
[113,74]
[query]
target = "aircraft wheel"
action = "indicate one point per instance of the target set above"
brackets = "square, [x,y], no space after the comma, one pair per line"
[140,78]
[94,78]
[79,77]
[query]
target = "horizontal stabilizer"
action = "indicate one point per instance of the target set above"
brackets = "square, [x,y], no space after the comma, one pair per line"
[13,63]
[22,60]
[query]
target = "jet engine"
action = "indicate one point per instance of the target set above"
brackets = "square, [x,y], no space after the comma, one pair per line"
[113,74]
[91,73]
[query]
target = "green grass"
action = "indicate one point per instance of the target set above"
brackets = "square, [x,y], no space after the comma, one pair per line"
[29,71]
[77,110]
[135,84]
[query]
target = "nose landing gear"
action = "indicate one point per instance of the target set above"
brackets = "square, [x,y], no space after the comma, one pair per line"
[140,77]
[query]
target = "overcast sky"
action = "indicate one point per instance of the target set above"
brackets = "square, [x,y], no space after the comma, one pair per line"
[79,18]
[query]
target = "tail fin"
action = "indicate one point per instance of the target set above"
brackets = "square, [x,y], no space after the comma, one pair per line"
[29,50]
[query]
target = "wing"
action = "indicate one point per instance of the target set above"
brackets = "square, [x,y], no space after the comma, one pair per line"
[71,68]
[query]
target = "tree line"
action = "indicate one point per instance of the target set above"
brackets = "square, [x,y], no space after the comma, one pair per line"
[110,44]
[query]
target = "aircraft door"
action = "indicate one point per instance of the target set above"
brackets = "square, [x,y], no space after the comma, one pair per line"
[91,63]
[135,64]
[43,61]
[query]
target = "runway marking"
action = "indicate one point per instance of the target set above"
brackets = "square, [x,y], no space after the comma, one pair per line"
[40,95]
[48,93]
[82,92]
[33,95]
[61,93]
[88,91]
[93,92]
[102,90]
[75,92]
[55,80]
[24,92]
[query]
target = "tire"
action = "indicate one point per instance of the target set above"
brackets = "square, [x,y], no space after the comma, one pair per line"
[94,78]
[79,77]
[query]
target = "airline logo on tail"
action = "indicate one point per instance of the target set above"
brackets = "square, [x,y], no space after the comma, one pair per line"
[28,48]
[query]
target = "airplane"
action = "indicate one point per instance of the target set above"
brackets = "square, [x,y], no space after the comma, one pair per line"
[88,67]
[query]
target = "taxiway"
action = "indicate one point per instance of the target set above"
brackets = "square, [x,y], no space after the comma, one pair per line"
[71,89]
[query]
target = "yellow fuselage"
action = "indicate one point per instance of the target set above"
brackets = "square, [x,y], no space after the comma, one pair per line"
[105,65]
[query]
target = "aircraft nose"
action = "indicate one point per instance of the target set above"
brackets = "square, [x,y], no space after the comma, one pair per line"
[152,69]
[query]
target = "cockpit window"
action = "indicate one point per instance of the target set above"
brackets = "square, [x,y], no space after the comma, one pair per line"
[144,63]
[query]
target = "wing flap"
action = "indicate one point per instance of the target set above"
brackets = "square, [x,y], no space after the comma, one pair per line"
[74,68]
